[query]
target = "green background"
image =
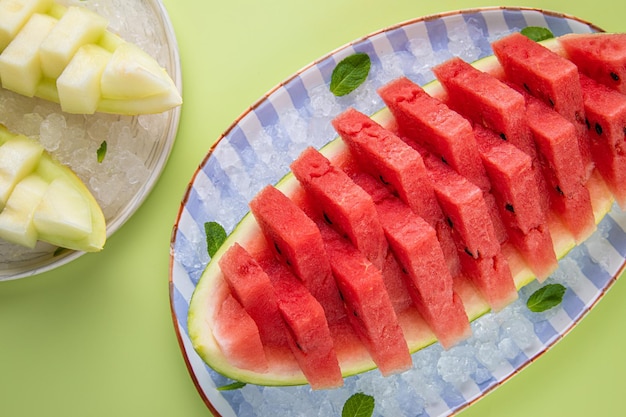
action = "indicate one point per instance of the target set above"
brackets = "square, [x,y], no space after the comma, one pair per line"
[96,338]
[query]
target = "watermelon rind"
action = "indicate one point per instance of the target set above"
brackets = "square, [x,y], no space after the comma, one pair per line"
[212,287]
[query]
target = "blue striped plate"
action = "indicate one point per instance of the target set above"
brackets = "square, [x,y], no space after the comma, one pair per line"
[258,148]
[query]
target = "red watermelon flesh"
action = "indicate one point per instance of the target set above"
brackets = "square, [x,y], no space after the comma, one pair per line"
[296,240]
[342,203]
[427,280]
[489,102]
[562,167]
[400,167]
[600,56]
[547,76]
[605,110]
[308,332]
[429,122]
[517,194]
[486,101]
[368,306]
[238,337]
[251,286]
[470,219]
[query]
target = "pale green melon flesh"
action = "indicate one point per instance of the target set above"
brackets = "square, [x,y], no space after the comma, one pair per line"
[67,214]
[130,81]
[212,287]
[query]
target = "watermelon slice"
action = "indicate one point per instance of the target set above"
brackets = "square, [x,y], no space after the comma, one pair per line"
[547,76]
[427,280]
[600,56]
[490,276]
[342,204]
[517,195]
[400,167]
[605,110]
[430,123]
[296,240]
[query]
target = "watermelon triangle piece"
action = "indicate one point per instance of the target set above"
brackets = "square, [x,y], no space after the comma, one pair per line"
[605,110]
[600,56]
[432,124]
[342,204]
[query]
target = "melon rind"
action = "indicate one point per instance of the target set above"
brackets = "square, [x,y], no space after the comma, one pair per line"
[212,287]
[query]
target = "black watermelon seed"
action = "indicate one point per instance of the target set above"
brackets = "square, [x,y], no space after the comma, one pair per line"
[526,87]
[469,252]
[510,208]
[587,123]
[551,102]
[614,76]
[598,129]
[558,190]
[503,136]
[444,160]
[277,248]
[383,180]
[327,218]
[449,220]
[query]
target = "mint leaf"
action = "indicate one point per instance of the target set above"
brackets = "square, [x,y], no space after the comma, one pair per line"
[546,297]
[215,236]
[359,405]
[231,387]
[102,151]
[350,73]
[537,33]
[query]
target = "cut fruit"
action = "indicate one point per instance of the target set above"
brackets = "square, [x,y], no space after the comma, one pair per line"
[65,214]
[20,68]
[58,53]
[77,27]
[491,269]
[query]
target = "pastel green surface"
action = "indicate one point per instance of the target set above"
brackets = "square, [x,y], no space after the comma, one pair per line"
[95,337]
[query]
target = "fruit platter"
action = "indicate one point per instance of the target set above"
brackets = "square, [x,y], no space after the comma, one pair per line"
[97,86]
[557,228]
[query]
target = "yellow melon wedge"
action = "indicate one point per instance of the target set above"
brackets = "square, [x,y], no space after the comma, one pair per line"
[55,57]
[48,202]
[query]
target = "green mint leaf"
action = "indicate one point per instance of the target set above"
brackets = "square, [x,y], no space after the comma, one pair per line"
[215,236]
[231,387]
[359,405]
[350,73]
[537,33]
[102,151]
[546,297]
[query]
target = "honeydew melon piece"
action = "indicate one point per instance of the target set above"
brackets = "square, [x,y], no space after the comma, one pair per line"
[63,211]
[79,84]
[66,191]
[132,73]
[16,220]
[77,27]
[20,68]
[15,13]
[18,158]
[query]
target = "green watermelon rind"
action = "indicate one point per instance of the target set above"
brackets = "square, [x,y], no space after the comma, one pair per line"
[211,285]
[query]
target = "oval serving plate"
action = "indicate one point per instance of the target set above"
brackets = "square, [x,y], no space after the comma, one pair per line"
[257,149]
[138,146]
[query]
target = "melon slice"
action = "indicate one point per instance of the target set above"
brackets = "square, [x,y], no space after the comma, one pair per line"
[427,121]
[65,214]
[548,76]
[14,15]
[352,357]
[605,111]
[600,56]
[57,53]
[344,205]
[400,167]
